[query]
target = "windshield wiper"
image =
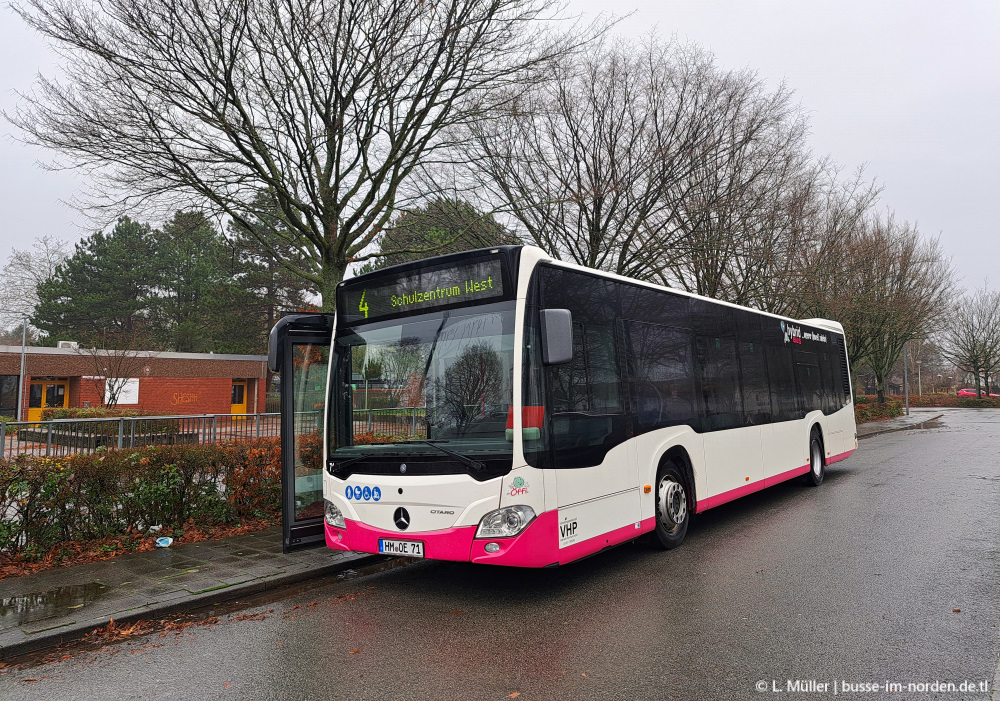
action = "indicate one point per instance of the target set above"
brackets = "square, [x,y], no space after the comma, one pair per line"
[337,468]
[464,459]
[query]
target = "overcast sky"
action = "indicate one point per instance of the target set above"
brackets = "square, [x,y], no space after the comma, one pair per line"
[909,88]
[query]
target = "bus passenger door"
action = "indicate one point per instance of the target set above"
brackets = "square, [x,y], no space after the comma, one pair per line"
[299,351]
[597,466]
[732,437]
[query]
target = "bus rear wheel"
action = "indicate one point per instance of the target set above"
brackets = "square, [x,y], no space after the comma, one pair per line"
[672,514]
[817,470]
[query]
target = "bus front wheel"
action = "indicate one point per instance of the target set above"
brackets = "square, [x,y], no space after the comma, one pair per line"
[817,470]
[672,514]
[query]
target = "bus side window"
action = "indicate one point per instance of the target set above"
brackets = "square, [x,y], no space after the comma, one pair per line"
[720,387]
[809,381]
[663,375]
[784,397]
[587,418]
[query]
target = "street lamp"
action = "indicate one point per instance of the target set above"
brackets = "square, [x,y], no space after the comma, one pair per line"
[20,380]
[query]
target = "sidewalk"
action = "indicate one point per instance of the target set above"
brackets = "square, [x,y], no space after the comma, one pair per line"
[62,604]
[917,416]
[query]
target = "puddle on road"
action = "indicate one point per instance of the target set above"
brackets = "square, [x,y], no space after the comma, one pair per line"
[37,606]
[930,423]
[934,423]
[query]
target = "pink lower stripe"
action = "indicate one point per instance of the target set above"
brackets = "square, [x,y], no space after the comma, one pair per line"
[841,456]
[538,545]
[719,499]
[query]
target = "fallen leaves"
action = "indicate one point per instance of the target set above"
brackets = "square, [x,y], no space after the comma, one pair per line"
[113,632]
[78,553]
[354,652]
[514,695]
[259,616]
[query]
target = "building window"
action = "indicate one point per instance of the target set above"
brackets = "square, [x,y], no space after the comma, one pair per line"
[8,395]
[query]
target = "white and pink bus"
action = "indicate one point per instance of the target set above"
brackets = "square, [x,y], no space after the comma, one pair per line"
[499,406]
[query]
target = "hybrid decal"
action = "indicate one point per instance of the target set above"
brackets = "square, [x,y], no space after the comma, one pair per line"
[795,334]
[791,333]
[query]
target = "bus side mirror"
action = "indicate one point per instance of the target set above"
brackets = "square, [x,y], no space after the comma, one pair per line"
[557,336]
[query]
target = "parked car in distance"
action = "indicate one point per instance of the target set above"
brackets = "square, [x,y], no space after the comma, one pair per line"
[972,393]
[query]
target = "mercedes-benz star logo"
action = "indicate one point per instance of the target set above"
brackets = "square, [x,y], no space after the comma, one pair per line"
[402,468]
[401,518]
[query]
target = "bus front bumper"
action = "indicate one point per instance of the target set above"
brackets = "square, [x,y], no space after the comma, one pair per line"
[535,546]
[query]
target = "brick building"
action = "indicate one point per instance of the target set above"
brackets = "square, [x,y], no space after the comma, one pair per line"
[165,383]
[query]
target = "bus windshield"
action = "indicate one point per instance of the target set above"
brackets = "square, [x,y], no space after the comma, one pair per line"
[444,378]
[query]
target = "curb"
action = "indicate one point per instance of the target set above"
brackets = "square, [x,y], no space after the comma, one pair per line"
[912,426]
[75,631]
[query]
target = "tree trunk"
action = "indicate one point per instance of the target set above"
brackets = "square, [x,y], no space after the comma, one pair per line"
[880,389]
[333,273]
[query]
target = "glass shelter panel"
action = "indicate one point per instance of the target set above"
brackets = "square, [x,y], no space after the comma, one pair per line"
[309,366]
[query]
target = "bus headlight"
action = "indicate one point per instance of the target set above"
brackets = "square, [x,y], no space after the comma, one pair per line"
[333,515]
[505,522]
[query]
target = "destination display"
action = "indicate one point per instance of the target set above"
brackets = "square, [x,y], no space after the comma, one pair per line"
[423,289]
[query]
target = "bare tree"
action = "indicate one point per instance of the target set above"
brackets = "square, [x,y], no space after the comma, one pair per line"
[115,361]
[971,338]
[885,283]
[584,164]
[651,162]
[24,272]
[740,212]
[329,105]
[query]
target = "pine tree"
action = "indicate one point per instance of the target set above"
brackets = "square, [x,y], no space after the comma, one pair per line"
[103,291]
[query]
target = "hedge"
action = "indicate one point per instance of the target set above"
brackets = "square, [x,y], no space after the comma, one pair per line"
[47,501]
[973,403]
[155,424]
[93,412]
[865,411]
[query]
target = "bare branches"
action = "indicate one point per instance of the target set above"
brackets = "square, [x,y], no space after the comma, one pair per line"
[884,282]
[328,105]
[971,338]
[116,365]
[652,162]
[24,272]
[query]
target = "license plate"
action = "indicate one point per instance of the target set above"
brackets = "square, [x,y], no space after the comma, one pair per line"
[402,548]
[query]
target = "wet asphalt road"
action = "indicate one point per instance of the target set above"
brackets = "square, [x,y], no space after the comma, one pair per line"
[856,581]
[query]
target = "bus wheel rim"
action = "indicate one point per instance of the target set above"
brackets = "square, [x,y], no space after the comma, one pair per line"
[673,503]
[817,459]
